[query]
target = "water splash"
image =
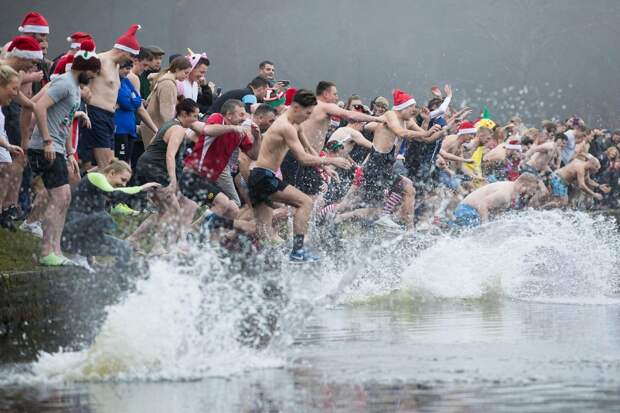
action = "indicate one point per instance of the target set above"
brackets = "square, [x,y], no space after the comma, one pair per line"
[547,256]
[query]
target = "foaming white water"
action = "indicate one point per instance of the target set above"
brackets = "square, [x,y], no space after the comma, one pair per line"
[548,256]
[181,323]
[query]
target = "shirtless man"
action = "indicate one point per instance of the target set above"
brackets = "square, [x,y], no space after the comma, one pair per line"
[264,186]
[495,198]
[577,171]
[314,130]
[452,149]
[344,139]
[379,175]
[97,143]
[544,156]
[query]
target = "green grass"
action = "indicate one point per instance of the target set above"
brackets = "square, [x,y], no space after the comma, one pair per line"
[18,251]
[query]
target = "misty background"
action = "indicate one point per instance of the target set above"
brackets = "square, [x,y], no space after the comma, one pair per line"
[539,59]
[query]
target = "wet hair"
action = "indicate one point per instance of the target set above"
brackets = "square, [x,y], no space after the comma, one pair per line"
[187,106]
[304,98]
[264,63]
[264,109]
[117,166]
[145,54]
[258,82]
[323,86]
[7,73]
[230,105]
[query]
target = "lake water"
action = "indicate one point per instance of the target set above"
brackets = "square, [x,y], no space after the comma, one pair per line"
[523,315]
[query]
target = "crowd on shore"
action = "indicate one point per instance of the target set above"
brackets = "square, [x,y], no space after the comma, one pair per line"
[95,133]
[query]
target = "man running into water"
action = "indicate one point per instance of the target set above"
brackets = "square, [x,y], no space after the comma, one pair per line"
[577,171]
[307,178]
[97,143]
[379,176]
[544,156]
[263,185]
[495,198]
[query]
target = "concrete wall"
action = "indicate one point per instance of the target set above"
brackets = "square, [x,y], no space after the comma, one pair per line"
[537,58]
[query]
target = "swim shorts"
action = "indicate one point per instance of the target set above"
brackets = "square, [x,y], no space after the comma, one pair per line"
[262,183]
[466,216]
[198,188]
[305,178]
[54,174]
[100,135]
[559,188]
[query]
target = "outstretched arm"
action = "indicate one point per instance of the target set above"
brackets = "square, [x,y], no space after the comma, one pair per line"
[335,110]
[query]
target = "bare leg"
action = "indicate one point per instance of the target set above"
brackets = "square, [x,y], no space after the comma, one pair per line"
[103,156]
[40,203]
[407,206]
[14,173]
[303,207]
[54,219]
[263,215]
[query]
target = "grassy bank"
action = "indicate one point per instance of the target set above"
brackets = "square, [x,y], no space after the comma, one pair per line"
[18,251]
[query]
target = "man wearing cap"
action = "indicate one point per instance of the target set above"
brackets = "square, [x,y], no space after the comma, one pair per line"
[155,66]
[97,143]
[50,148]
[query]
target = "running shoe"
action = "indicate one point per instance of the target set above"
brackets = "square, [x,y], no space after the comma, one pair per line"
[302,256]
[53,260]
[124,209]
[387,222]
[34,228]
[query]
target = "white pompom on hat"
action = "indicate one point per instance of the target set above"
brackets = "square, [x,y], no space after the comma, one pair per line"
[128,42]
[34,23]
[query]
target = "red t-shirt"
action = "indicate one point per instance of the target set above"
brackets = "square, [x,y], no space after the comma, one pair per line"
[212,153]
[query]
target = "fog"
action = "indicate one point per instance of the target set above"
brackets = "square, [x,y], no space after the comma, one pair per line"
[538,59]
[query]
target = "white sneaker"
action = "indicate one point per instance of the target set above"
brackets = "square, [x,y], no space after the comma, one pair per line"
[34,228]
[387,222]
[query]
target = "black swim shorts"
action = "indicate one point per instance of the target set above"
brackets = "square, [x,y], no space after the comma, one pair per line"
[305,178]
[198,188]
[262,183]
[100,135]
[54,174]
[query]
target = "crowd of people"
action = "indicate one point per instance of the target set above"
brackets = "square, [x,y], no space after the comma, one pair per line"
[91,134]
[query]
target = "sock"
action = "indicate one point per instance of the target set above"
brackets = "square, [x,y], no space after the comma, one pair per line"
[391,202]
[298,242]
[325,211]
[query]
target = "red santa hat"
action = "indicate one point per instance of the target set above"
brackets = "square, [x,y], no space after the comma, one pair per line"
[513,144]
[128,41]
[63,65]
[77,38]
[466,128]
[86,58]
[290,94]
[34,23]
[402,100]
[25,47]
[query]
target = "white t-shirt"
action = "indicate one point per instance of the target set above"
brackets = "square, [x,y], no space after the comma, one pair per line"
[5,156]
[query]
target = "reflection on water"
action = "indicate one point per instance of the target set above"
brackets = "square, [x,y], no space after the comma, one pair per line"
[394,356]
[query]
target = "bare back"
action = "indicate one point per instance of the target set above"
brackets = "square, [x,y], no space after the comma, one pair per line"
[316,126]
[570,172]
[384,138]
[104,87]
[492,197]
